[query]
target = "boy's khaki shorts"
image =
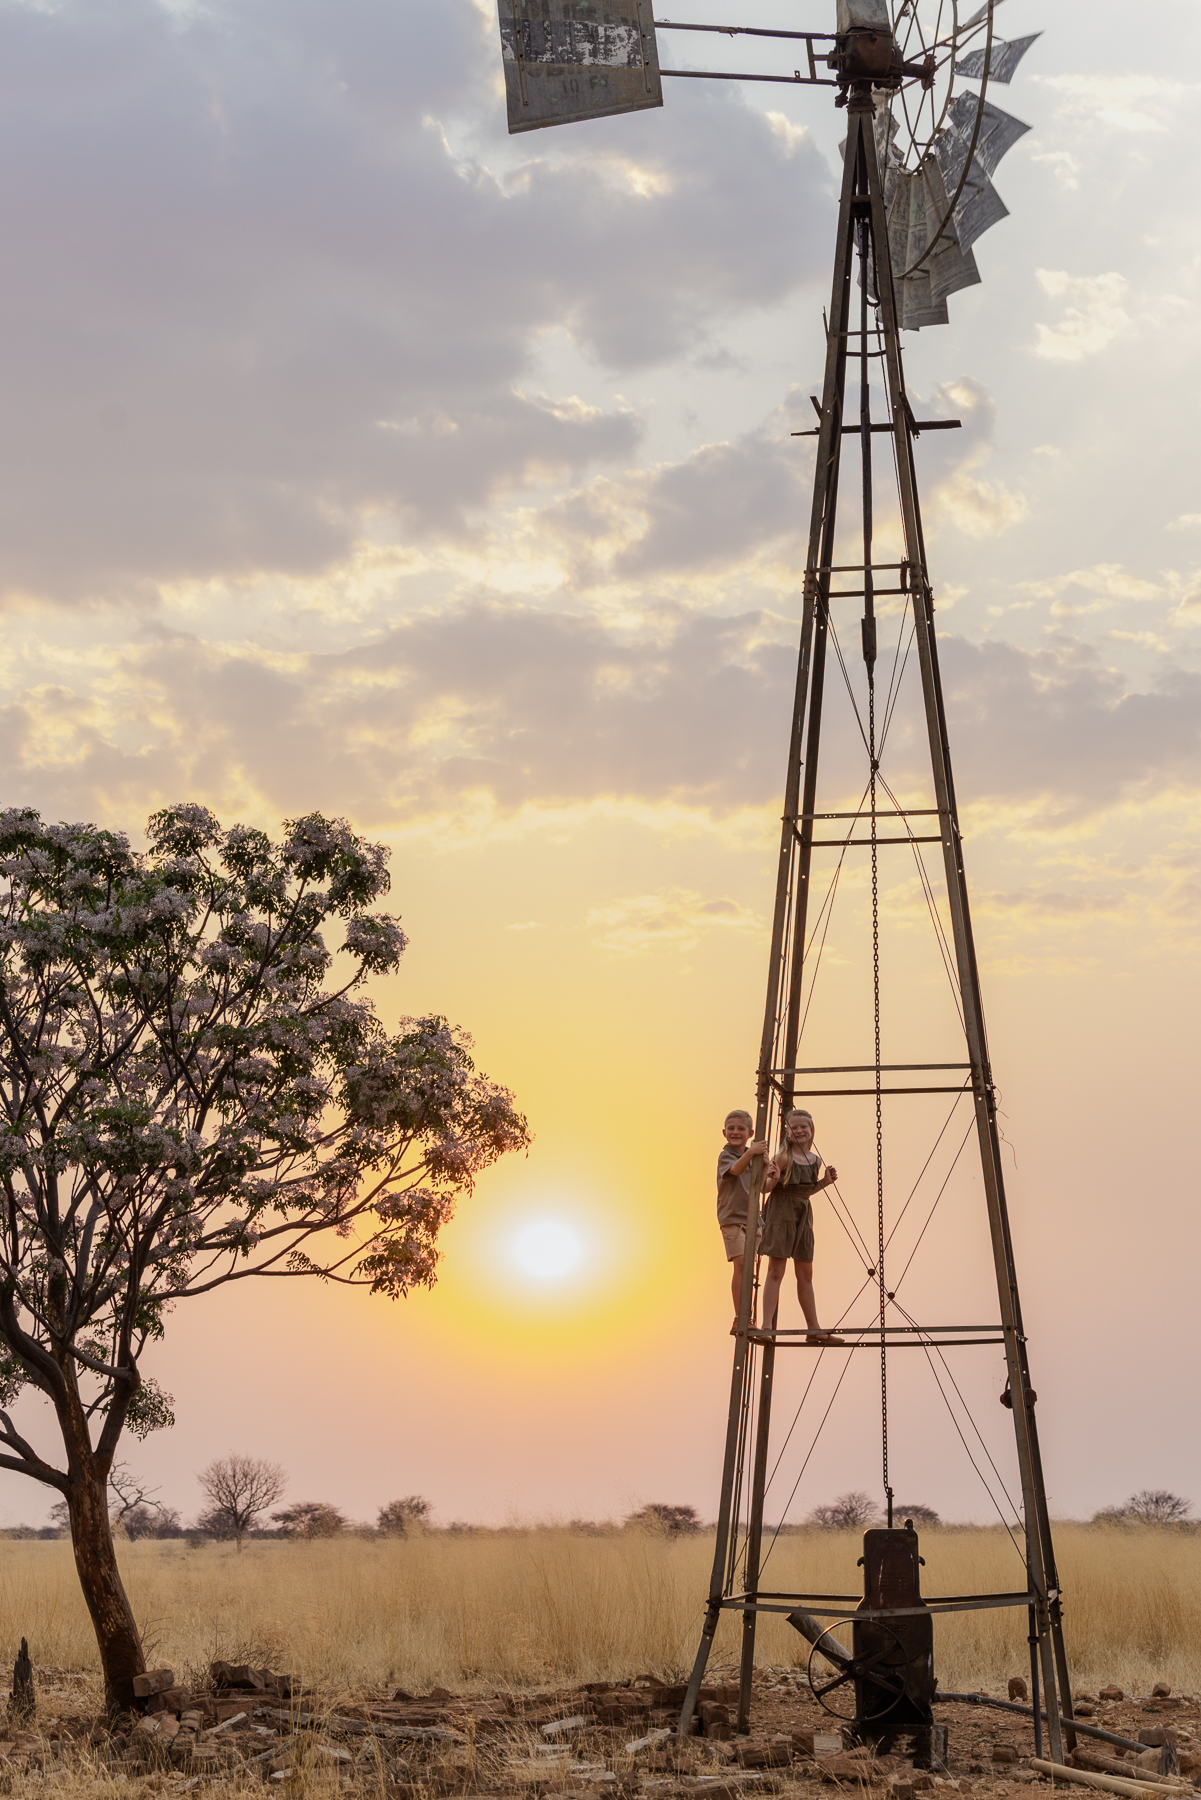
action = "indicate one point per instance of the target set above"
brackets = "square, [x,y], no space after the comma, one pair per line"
[734,1239]
[788,1229]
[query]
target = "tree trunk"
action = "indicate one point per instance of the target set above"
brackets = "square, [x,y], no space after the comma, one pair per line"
[112,1617]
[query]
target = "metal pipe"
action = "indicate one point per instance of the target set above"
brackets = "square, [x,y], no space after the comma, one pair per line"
[1093,1731]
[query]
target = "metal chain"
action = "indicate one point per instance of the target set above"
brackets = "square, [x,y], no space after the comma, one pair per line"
[879,1104]
[869,657]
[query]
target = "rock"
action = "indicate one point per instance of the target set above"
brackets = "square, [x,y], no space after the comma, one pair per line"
[758,1755]
[827,1743]
[230,1709]
[1004,1753]
[1112,1693]
[1190,1763]
[1082,1709]
[227,1724]
[441,1693]
[1153,1735]
[1147,1759]
[172,1699]
[1160,1691]
[846,1768]
[1018,1689]
[714,1712]
[644,1743]
[558,1727]
[154,1681]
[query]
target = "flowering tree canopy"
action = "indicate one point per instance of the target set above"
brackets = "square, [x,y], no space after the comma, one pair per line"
[195,1089]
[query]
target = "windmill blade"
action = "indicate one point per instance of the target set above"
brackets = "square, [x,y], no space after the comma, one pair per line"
[1002,64]
[918,208]
[999,132]
[977,18]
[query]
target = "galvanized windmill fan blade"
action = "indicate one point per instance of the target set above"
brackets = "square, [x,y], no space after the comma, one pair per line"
[1002,63]
[567,60]
[999,131]
[924,277]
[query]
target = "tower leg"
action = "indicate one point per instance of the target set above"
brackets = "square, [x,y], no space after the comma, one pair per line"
[1038,1529]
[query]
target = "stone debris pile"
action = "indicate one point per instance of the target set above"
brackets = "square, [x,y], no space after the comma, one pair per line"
[247,1724]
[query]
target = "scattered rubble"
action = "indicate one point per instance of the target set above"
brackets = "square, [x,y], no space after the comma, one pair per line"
[248,1725]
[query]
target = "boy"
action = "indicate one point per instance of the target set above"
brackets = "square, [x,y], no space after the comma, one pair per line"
[734,1195]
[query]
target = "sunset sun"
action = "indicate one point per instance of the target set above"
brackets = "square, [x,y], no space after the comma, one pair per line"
[547,1249]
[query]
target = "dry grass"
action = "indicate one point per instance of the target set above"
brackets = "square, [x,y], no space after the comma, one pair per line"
[530,1608]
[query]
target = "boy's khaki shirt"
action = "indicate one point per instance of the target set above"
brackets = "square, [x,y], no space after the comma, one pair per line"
[733,1191]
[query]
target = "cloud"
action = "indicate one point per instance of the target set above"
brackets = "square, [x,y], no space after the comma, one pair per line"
[954,492]
[1093,314]
[283,280]
[1134,103]
[1109,581]
[677,919]
[494,716]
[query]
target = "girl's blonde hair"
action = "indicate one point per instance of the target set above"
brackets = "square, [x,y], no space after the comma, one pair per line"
[784,1153]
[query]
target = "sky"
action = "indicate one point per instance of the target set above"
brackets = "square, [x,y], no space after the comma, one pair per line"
[355,456]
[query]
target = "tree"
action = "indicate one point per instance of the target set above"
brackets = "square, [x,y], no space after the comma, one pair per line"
[148,1522]
[239,1490]
[1150,1506]
[920,1514]
[311,1519]
[846,1513]
[133,1508]
[395,1518]
[187,1099]
[668,1521]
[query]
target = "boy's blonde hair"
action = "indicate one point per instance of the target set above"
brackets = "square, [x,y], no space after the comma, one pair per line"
[739,1112]
[784,1153]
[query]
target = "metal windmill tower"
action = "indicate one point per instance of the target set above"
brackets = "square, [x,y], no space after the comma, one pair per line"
[916,194]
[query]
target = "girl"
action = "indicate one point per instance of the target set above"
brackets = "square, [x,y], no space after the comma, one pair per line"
[791,1179]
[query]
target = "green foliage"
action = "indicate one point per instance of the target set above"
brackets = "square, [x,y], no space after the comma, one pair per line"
[195,1089]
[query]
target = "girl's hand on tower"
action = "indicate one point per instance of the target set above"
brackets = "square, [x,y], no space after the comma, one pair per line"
[831,1176]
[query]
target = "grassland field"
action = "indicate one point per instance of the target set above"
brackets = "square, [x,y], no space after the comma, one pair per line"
[524,1608]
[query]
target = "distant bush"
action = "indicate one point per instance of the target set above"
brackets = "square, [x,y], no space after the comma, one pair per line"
[1150,1506]
[921,1515]
[311,1519]
[848,1511]
[396,1518]
[665,1521]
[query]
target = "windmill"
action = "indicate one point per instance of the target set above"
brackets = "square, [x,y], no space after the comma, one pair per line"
[921,149]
